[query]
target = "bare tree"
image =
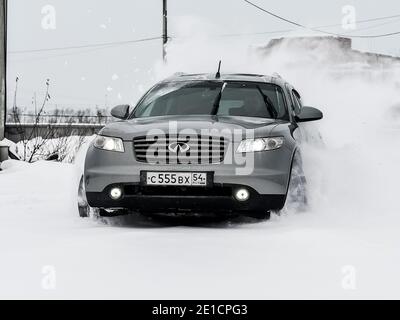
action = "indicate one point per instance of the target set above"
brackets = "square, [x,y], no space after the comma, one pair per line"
[43,135]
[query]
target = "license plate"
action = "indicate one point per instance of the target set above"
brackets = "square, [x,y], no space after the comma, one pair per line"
[176,179]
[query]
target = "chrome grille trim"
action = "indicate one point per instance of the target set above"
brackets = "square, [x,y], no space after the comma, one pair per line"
[202,149]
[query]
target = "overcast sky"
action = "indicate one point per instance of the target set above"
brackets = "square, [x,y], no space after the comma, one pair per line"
[86,77]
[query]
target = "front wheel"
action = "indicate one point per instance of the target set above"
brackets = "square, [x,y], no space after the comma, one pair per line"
[85,211]
[296,198]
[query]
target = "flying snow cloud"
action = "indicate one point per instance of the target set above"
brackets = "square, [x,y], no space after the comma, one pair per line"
[356,169]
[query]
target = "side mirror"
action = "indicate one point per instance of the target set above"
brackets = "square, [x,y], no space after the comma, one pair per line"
[309,114]
[120,112]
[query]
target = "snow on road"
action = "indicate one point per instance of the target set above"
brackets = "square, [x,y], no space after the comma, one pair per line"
[309,255]
[346,246]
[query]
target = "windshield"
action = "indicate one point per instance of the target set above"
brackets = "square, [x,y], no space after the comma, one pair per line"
[246,99]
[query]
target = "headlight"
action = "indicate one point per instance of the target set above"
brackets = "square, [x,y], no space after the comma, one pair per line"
[260,144]
[109,144]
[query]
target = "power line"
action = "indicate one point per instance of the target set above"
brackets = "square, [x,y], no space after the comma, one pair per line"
[98,45]
[324,26]
[74,53]
[242,34]
[274,15]
[106,45]
[57,95]
[363,21]
[375,26]
[317,30]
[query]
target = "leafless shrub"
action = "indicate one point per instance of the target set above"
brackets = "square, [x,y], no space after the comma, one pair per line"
[40,138]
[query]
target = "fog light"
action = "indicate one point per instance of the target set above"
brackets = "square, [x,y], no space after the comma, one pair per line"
[116,193]
[242,195]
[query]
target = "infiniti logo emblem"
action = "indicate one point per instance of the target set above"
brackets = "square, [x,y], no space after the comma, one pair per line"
[180,147]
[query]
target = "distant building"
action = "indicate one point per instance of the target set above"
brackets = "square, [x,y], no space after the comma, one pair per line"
[338,50]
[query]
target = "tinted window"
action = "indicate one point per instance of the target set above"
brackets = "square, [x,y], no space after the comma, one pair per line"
[211,97]
[252,100]
[180,98]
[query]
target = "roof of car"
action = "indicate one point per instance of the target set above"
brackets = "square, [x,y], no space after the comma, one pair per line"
[227,77]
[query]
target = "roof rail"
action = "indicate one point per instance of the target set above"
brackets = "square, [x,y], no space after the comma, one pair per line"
[178,74]
[247,74]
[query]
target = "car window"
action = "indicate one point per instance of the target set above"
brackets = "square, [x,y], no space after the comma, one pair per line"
[243,100]
[252,100]
[208,97]
[179,98]
[226,106]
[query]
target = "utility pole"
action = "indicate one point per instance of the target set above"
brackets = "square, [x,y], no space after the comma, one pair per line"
[3,55]
[3,92]
[165,29]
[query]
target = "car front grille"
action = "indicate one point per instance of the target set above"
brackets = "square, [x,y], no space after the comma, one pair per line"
[174,149]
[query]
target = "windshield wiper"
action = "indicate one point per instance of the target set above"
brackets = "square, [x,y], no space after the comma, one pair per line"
[268,103]
[218,101]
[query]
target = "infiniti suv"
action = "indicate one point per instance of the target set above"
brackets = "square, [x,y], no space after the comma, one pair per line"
[200,144]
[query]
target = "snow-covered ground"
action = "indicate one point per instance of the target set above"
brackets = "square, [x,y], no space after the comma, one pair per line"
[311,255]
[346,246]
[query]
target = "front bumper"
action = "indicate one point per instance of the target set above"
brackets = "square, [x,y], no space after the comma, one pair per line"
[267,178]
[218,198]
[266,172]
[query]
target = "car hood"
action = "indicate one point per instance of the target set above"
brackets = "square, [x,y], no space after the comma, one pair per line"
[129,129]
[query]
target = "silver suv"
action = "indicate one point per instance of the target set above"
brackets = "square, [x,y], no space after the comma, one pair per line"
[200,144]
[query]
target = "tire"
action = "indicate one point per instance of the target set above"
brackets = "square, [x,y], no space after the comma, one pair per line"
[85,211]
[112,214]
[296,198]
